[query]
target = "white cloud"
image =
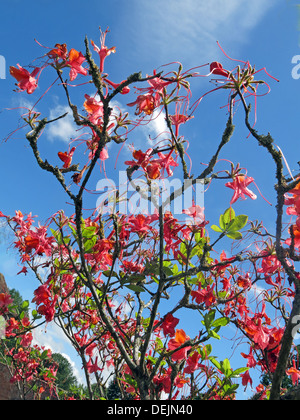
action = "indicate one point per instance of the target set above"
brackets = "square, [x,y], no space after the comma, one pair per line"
[64,128]
[52,337]
[188,30]
[157,128]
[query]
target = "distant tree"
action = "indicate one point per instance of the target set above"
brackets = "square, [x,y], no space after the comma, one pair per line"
[113,390]
[65,378]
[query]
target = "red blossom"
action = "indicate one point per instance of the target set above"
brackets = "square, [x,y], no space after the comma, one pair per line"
[169,324]
[180,339]
[217,68]
[103,51]
[75,61]
[27,81]
[239,185]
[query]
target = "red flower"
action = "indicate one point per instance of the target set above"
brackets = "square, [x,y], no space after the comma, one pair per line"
[103,51]
[145,103]
[294,373]
[169,325]
[192,363]
[31,243]
[246,379]
[217,68]
[239,185]
[166,161]
[124,91]
[179,340]
[196,212]
[164,381]
[66,157]
[153,170]
[296,231]
[204,295]
[93,108]
[177,120]
[75,62]
[26,340]
[59,51]
[5,301]
[27,81]
[142,158]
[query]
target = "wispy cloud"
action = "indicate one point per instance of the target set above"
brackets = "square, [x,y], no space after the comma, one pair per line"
[62,129]
[54,339]
[188,30]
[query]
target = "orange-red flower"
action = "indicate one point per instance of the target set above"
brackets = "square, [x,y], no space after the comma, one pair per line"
[239,185]
[27,81]
[178,341]
[103,51]
[75,61]
[217,68]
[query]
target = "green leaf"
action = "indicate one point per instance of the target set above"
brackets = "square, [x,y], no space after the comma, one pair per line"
[226,368]
[209,318]
[235,235]
[213,334]
[216,228]
[135,288]
[216,363]
[221,322]
[25,304]
[107,273]
[231,389]
[239,371]
[183,249]
[88,232]
[221,222]
[238,223]
[73,229]
[229,216]
[90,243]
[44,355]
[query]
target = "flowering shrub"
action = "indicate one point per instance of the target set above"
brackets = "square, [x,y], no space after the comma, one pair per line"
[110,276]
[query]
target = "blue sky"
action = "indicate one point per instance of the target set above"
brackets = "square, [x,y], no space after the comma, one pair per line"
[147,35]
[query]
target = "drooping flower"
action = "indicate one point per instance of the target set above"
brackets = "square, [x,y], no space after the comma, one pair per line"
[192,363]
[26,340]
[153,170]
[93,367]
[217,68]
[75,61]
[239,185]
[164,380]
[296,232]
[177,120]
[261,337]
[196,212]
[58,52]
[146,103]
[294,373]
[246,379]
[178,341]
[66,157]
[27,81]
[251,361]
[124,91]
[169,324]
[94,109]
[5,301]
[166,162]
